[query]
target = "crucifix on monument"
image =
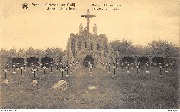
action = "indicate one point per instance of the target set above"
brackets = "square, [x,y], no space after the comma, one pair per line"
[88,16]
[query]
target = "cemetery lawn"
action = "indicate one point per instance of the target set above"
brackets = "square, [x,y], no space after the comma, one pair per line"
[98,90]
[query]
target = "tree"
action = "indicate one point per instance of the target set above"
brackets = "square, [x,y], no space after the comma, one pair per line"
[123,47]
[12,52]
[30,52]
[21,52]
[163,48]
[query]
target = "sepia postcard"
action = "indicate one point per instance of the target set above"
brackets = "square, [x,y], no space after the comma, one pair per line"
[89,54]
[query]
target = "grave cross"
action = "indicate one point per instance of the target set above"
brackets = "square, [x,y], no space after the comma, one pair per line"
[5,77]
[88,16]
[51,67]
[14,68]
[70,66]
[147,66]
[5,74]
[109,67]
[21,69]
[24,66]
[160,70]
[122,65]
[137,69]
[67,69]
[34,71]
[62,71]
[57,66]
[114,67]
[128,66]
[166,67]
[44,69]
[106,66]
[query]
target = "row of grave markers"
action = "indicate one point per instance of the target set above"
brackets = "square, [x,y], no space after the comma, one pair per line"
[107,67]
[64,67]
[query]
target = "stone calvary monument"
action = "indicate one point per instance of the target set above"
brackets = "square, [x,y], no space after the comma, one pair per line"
[87,47]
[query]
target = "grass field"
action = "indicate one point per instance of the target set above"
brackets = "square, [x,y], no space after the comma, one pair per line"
[99,90]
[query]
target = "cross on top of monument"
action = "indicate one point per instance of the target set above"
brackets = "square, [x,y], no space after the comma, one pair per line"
[88,16]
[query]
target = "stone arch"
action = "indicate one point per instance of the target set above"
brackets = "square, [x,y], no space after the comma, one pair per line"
[88,59]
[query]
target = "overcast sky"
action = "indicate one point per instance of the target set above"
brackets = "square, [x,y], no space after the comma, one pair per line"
[139,21]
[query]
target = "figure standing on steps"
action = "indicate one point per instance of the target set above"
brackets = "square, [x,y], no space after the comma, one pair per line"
[90,68]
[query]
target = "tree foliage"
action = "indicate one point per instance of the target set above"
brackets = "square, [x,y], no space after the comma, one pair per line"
[124,47]
[53,52]
[163,48]
[160,47]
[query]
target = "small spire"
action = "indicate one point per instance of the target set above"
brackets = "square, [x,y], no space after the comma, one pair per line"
[95,29]
[80,28]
